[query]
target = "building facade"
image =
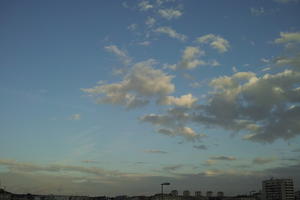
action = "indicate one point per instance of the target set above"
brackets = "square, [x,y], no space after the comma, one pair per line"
[278,189]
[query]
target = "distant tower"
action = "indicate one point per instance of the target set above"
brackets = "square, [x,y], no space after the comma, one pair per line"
[186,193]
[209,193]
[198,194]
[174,193]
[278,189]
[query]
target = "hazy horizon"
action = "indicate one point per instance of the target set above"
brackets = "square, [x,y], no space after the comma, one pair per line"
[116,97]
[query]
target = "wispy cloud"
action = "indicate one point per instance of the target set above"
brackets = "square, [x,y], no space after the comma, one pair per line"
[155,151]
[262,161]
[170,32]
[122,55]
[216,42]
[170,13]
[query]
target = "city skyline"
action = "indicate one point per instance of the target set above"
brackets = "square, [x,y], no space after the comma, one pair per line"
[117,97]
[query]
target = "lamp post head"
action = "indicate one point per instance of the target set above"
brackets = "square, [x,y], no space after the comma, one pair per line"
[165,184]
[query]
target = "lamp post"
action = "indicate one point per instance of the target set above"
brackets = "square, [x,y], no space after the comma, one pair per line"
[162,190]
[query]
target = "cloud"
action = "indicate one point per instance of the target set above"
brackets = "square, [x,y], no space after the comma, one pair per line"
[257,11]
[132,27]
[262,161]
[150,21]
[200,147]
[155,151]
[184,101]
[288,37]
[90,161]
[170,32]
[118,52]
[145,43]
[259,105]
[190,59]
[296,150]
[286,1]
[55,168]
[228,158]
[75,117]
[145,5]
[210,162]
[216,42]
[170,13]
[210,179]
[172,167]
[141,84]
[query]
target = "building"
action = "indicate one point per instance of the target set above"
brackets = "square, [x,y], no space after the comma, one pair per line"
[198,194]
[278,189]
[186,193]
[209,194]
[297,195]
[174,193]
[220,194]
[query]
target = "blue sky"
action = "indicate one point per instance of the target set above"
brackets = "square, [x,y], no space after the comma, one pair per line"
[124,95]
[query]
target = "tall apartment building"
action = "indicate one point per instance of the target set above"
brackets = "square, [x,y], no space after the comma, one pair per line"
[278,189]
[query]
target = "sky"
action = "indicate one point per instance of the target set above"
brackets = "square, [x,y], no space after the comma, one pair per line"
[117,97]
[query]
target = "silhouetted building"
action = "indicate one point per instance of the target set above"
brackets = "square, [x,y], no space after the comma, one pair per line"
[297,195]
[174,193]
[209,193]
[220,194]
[198,194]
[278,189]
[186,193]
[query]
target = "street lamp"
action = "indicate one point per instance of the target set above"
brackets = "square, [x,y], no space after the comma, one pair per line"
[162,189]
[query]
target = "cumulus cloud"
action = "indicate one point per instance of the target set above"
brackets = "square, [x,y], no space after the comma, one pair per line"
[190,59]
[187,100]
[215,41]
[259,105]
[173,124]
[155,151]
[170,13]
[170,32]
[122,55]
[141,84]
[145,5]
[288,37]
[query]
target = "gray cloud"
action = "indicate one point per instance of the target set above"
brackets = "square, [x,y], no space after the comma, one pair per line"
[229,158]
[200,147]
[211,179]
[155,151]
[172,167]
[262,161]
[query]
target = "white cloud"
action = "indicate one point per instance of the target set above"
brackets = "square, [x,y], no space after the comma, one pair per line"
[187,100]
[141,84]
[257,11]
[120,53]
[216,42]
[170,32]
[169,13]
[145,5]
[288,37]
[75,117]
[150,21]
